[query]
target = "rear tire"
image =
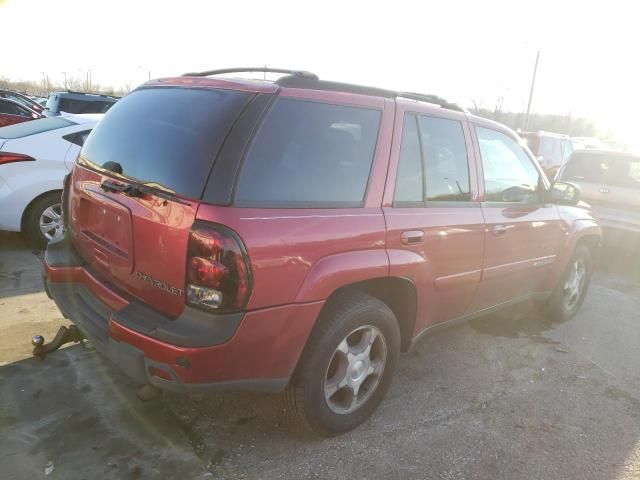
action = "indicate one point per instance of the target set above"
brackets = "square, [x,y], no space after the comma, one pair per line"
[567,297]
[353,352]
[43,220]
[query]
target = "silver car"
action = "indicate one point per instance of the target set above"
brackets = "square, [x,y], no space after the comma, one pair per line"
[610,182]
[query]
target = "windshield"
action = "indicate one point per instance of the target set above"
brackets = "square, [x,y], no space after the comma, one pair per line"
[167,137]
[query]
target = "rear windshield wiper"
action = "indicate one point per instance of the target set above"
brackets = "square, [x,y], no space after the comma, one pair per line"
[138,189]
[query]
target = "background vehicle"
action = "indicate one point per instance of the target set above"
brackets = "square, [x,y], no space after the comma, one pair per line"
[22,99]
[13,112]
[79,102]
[610,183]
[550,149]
[34,158]
[301,235]
[589,143]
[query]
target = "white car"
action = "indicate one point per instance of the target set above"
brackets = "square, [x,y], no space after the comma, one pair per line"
[35,156]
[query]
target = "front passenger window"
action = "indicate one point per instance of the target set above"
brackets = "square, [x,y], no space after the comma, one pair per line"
[509,174]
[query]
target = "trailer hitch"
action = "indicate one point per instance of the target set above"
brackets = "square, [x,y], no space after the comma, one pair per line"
[64,335]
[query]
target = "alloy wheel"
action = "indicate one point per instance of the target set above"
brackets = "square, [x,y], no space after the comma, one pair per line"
[51,223]
[355,369]
[575,283]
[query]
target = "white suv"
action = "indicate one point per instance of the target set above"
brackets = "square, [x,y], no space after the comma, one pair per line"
[34,159]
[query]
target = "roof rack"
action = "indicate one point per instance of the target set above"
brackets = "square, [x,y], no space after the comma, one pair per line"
[435,99]
[222,71]
[91,93]
[304,79]
[303,82]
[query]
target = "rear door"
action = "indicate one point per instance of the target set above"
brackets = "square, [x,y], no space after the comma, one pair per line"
[523,234]
[435,230]
[167,139]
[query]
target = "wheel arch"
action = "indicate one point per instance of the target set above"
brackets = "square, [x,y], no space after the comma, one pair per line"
[593,242]
[398,293]
[27,209]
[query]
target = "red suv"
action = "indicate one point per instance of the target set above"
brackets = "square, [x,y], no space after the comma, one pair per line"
[229,234]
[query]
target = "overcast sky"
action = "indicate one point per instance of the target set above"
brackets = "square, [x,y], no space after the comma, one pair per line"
[478,51]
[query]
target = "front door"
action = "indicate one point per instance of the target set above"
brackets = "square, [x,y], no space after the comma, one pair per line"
[523,234]
[435,232]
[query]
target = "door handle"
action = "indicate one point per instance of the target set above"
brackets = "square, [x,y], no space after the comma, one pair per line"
[499,230]
[412,237]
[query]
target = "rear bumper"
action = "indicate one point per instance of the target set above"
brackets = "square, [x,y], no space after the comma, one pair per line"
[259,351]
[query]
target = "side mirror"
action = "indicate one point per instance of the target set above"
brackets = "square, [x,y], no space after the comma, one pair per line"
[564,193]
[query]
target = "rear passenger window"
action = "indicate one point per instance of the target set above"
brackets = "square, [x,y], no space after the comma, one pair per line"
[587,167]
[446,161]
[409,177]
[310,154]
[77,138]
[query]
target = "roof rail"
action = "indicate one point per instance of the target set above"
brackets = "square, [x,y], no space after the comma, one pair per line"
[435,99]
[304,79]
[222,71]
[298,82]
[90,93]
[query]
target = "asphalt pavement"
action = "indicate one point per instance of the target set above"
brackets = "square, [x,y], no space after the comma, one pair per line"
[510,396]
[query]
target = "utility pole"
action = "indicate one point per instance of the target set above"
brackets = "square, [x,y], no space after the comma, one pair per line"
[533,84]
[65,79]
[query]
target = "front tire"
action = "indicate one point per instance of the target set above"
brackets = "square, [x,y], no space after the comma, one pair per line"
[347,366]
[43,221]
[571,290]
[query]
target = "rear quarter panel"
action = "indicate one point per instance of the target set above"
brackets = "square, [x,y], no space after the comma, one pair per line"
[300,255]
[22,182]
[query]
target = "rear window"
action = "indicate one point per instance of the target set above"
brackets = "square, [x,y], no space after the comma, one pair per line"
[310,154]
[165,136]
[587,167]
[25,129]
[88,105]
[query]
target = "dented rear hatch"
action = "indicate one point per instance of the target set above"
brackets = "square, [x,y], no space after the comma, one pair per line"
[138,182]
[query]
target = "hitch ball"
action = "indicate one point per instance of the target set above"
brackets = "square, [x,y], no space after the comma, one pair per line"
[37,340]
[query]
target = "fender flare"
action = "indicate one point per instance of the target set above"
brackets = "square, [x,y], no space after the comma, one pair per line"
[340,269]
[580,228]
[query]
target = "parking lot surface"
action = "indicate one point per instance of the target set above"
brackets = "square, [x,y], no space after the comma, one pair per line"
[510,396]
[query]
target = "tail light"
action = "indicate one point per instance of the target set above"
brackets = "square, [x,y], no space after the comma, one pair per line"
[6,157]
[218,272]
